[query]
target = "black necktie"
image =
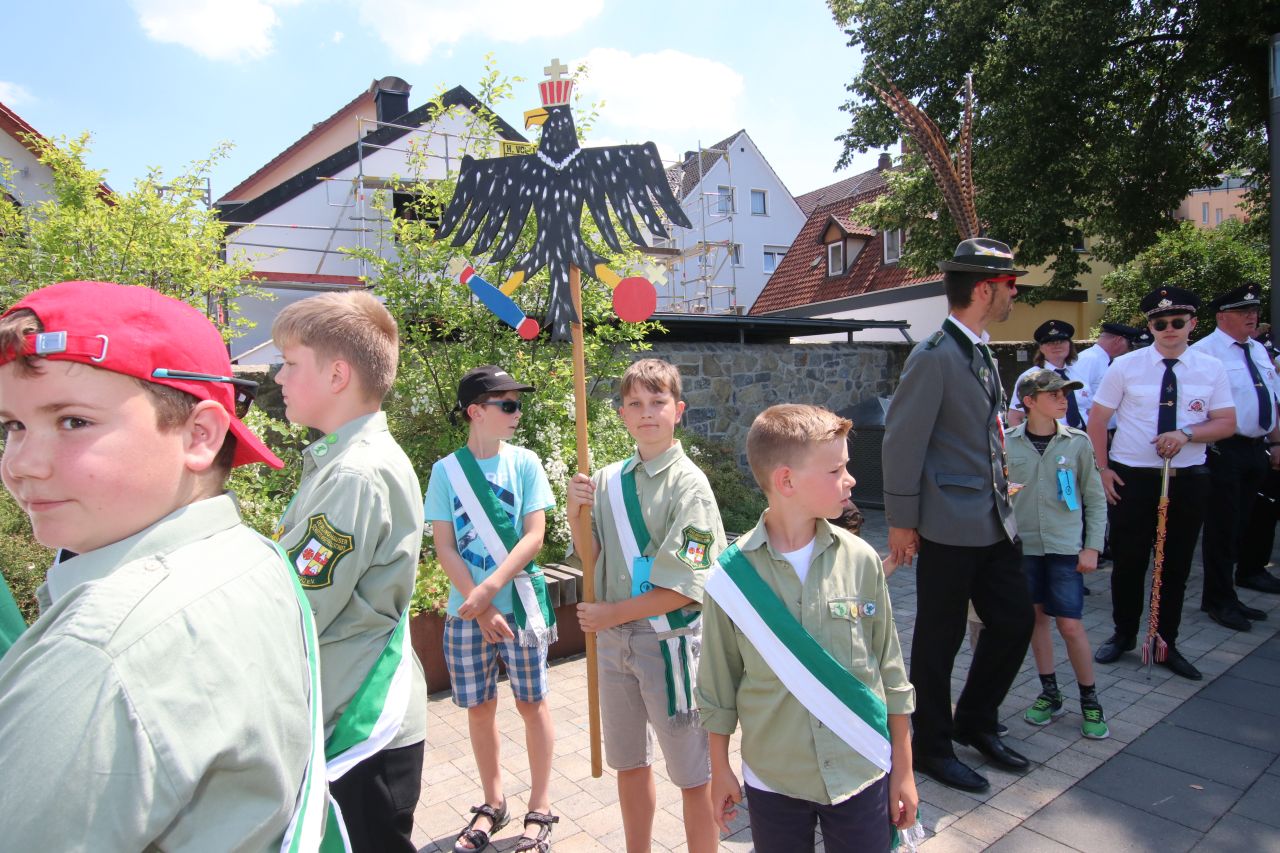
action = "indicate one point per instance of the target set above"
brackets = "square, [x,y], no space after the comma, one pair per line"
[1073,408]
[1167,419]
[1264,394]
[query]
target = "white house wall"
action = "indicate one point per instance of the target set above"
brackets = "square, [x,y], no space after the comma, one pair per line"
[778,228]
[30,177]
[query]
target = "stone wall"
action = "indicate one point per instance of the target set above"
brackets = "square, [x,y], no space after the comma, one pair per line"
[727,384]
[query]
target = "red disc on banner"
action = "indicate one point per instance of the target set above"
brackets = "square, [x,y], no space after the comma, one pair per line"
[528,328]
[635,299]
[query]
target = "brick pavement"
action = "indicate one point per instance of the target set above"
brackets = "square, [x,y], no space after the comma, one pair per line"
[1021,811]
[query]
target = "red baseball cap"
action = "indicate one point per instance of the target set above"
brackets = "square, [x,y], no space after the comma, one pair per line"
[138,332]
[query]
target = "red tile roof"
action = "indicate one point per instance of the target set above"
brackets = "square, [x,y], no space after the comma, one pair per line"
[801,278]
[851,186]
[307,278]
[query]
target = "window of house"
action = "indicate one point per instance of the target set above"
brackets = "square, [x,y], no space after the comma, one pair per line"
[1217,216]
[411,208]
[724,199]
[773,258]
[735,254]
[1204,212]
[892,246]
[1078,244]
[835,258]
[759,203]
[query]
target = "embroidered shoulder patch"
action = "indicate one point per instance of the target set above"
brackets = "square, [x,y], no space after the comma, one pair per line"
[319,551]
[695,547]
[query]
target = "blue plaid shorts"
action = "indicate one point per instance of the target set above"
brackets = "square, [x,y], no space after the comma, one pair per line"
[473,664]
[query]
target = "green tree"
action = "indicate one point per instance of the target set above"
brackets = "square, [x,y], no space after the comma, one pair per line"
[1098,115]
[1206,262]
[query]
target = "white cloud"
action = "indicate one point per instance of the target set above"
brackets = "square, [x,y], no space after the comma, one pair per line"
[664,91]
[14,94]
[412,29]
[215,29]
[337,37]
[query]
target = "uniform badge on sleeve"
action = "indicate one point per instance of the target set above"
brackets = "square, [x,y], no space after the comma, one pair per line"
[317,554]
[695,548]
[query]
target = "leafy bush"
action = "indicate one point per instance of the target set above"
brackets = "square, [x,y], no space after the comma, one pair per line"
[23,560]
[738,497]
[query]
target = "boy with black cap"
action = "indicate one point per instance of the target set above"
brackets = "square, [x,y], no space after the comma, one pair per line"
[1056,351]
[1238,464]
[1062,514]
[487,503]
[353,534]
[1170,402]
[168,696]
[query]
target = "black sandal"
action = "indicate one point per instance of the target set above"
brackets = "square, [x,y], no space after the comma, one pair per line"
[540,844]
[479,838]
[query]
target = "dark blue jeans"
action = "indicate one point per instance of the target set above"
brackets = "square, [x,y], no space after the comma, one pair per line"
[782,824]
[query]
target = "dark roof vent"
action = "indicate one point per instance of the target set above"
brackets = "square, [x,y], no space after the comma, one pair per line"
[886,162]
[391,95]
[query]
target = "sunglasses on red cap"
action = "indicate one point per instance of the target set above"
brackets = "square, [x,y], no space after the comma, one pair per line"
[245,389]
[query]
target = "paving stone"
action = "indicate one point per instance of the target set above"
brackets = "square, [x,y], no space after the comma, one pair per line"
[986,823]
[1199,753]
[1186,798]
[1096,824]
[1259,669]
[1033,792]
[1234,832]
[1250,728]
[1262,803]
[1244,693]
[1023,840]
[953,841]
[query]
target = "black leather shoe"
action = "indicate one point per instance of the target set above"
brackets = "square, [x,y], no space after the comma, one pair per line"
[1180,665]
[952,772]
[1262,581]
[1229,617]
[1251,612]
[993,748]
[1116,645]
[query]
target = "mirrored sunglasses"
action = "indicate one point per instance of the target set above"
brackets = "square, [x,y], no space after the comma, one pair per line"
[245,389]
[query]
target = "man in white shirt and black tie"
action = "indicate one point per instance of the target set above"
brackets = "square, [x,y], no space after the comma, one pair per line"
[1238,464]
[1170,402]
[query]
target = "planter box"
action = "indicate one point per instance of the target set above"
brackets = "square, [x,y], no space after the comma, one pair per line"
[564,588]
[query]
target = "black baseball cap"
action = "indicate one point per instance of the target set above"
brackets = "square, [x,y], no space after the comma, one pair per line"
[485,380]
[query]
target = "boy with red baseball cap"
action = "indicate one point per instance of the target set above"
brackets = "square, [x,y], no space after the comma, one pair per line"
[168,693]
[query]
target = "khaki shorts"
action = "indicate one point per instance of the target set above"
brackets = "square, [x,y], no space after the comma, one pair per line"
[633,701]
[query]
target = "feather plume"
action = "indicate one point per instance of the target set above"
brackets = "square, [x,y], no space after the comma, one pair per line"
[955,184]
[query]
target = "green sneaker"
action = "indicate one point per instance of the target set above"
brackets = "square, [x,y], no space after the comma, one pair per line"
[1094,727]
[1045,709]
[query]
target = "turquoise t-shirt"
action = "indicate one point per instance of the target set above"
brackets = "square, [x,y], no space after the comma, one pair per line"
[516,477]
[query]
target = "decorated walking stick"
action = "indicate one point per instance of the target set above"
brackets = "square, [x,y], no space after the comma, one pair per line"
[493,199]
[1154,648]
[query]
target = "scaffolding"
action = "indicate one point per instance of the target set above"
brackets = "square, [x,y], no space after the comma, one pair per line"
[695,262]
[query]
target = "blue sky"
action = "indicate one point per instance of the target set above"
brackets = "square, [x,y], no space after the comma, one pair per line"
[162,82]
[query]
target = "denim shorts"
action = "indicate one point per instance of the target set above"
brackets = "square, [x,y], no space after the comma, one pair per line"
[473,664]
[1055,584]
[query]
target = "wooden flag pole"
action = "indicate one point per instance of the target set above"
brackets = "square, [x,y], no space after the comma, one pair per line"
[581,524]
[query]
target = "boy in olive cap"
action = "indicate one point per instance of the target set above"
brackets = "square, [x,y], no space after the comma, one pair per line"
[167,697]
[1062,514]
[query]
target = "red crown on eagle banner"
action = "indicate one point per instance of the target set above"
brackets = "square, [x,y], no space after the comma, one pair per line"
[557,91]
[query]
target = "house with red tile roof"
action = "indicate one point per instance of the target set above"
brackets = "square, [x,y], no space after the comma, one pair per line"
[838,268]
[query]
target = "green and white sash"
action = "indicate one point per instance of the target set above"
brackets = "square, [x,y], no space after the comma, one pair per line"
[839,700]
[11,622]
[308,829]
[676,631]
[535,619]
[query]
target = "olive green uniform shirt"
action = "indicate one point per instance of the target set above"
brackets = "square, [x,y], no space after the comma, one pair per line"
[1045,523]
[786,746]
[683,521]
[160,702]
[354,533]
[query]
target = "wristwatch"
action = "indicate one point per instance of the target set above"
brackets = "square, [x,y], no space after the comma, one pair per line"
[1187,432]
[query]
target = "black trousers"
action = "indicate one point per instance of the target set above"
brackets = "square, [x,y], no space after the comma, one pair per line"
[1133,536]
[378,797]
[947,578]
[1260,532]
[782,824]
[1237,467]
